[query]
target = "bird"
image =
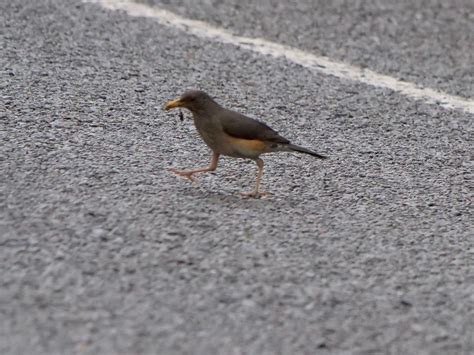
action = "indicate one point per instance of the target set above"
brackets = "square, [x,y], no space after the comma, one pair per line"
[229,133]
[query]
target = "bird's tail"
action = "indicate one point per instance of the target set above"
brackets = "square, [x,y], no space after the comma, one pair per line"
[299,149]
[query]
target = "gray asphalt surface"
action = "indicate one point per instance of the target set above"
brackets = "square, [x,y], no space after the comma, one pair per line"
[430,42]
[105,252]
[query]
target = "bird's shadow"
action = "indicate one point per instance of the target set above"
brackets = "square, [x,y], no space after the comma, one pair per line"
[231,199]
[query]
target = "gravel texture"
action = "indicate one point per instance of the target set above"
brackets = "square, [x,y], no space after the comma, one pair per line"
[430,42]
[105,252]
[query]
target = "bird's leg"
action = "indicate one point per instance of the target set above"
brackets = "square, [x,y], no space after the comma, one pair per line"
[189,173]
[256,192]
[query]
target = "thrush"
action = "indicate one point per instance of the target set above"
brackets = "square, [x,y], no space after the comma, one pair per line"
[232,134]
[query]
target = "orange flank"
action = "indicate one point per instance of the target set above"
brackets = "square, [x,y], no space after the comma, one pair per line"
[247,147]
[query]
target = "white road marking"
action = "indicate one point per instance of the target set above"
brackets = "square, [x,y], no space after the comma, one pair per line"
[308,60]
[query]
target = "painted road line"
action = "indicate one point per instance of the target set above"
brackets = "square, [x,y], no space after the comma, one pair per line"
[306,59]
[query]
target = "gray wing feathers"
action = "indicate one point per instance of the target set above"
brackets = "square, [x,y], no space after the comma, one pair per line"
[240,126]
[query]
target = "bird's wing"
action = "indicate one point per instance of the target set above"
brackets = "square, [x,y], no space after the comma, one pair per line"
[240,126]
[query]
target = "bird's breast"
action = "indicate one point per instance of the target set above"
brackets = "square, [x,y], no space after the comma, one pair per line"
[209,130]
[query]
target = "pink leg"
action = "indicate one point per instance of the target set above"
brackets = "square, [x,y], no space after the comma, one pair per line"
[189,173]
[256,192]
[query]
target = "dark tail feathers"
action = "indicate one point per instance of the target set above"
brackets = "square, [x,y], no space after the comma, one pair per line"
[306,151]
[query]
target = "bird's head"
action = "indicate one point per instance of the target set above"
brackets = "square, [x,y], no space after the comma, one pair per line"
[193,100]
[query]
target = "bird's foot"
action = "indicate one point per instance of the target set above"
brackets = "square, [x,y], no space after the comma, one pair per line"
[184,173]
[254,194]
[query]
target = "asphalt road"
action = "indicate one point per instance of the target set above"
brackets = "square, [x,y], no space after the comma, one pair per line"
[105,252]
[429,42]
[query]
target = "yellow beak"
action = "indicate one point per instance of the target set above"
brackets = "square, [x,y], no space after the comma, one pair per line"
[173,104]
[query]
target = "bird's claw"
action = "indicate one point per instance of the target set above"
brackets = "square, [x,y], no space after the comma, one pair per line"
[184,173]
